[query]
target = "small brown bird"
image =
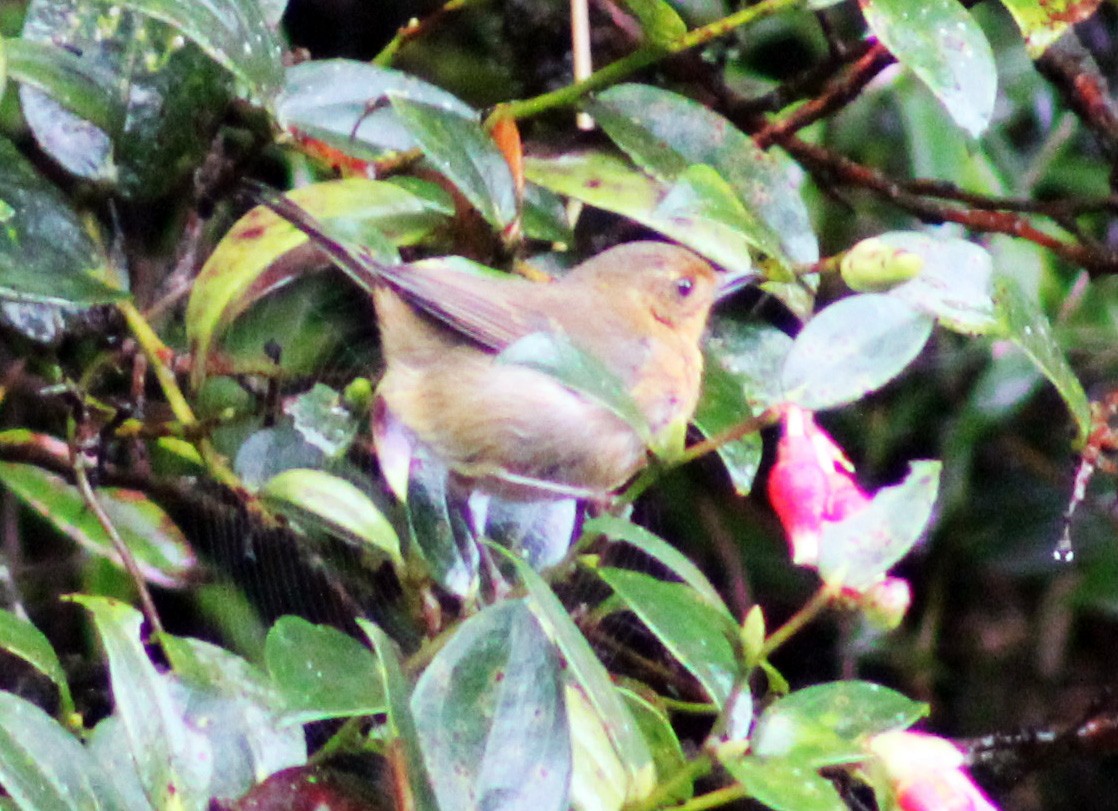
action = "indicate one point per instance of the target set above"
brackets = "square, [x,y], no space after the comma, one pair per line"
[640,309]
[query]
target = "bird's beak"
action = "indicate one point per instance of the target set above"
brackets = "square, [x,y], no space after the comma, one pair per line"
[730,283]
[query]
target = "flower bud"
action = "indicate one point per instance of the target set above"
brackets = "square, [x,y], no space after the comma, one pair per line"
[874,265]
[926,773]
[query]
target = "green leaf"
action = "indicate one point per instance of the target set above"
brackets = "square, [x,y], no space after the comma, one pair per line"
[658,20]
[1023,323]
[941,43]
[321,672]
[785,784]
[400,720]
[491,718]
[1042,22]
[336,101]
[608,182]
[322,419]
[42,766]
[234,33]
[826,724]
[171,94]
[591,676]
[334,505]
[20,638]
[696,634]
[853,347]
[619,529]
[554,355]
[741,378]
[667,752]
[175,763]
[246,265]
[461,150]
[955,282]
[45,253]
[862,547]
[681,130]
[161,550]
[86,90]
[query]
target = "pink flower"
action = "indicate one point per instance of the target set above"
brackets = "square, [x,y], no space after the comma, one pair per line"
[811,484]
[925,773]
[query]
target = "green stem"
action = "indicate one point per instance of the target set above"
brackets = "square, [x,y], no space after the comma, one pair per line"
[691,772]
[643,57]
[713,799]
[345,739]
[821,600]
[416,28]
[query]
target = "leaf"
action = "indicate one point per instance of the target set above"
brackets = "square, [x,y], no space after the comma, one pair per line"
[171,95]
[599,780]
[42,766]
[335,505]
[1042,22]
[941,43]
[589,673]
[234,33]
[853,347]
[666,749]
[175,763]
[20,638]
[323,420]
[321,672]
[400,719]
[618,529]
[461,150]
[862,547]
[696,634]
[827,724]
[86,90]
[955,282]
[491,717]
[554,355]
[1023,323]
[683,130]
[658,20]
[784,784]
[161,550]
[609,183]
[336,101]
[45,253]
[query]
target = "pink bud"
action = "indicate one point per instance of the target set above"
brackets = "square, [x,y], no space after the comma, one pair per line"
[926,773]
[885,603]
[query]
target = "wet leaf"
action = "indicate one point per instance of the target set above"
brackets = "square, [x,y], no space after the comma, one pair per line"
[785,784]
[1042,22]
[941,43]
[321,672]
[853,347]
[491,717]
[86,90]
[161,550]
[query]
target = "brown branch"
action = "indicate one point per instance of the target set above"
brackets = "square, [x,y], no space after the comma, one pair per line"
[1074,74]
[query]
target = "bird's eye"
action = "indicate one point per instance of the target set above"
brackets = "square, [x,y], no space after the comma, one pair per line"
[684,287]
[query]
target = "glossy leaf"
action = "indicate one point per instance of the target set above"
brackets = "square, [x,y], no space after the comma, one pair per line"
[461,150]
[827,724]
[697,635]
[554,355]
[491,718]
[619,529]
[1042,22]
[862,547]
[941,43]
[161,550]
[171,93]
[685,130]
[45,253]
[1023,323]
[591,676]
[42,766]
[321,672]
[86,90]
[400,720]
[853,347]
[234,33]
[339,101]
[249,263]
[20,638]
[785,784]
[175,763]
[323,420]
[608,182]
[539,530]
[955,282]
